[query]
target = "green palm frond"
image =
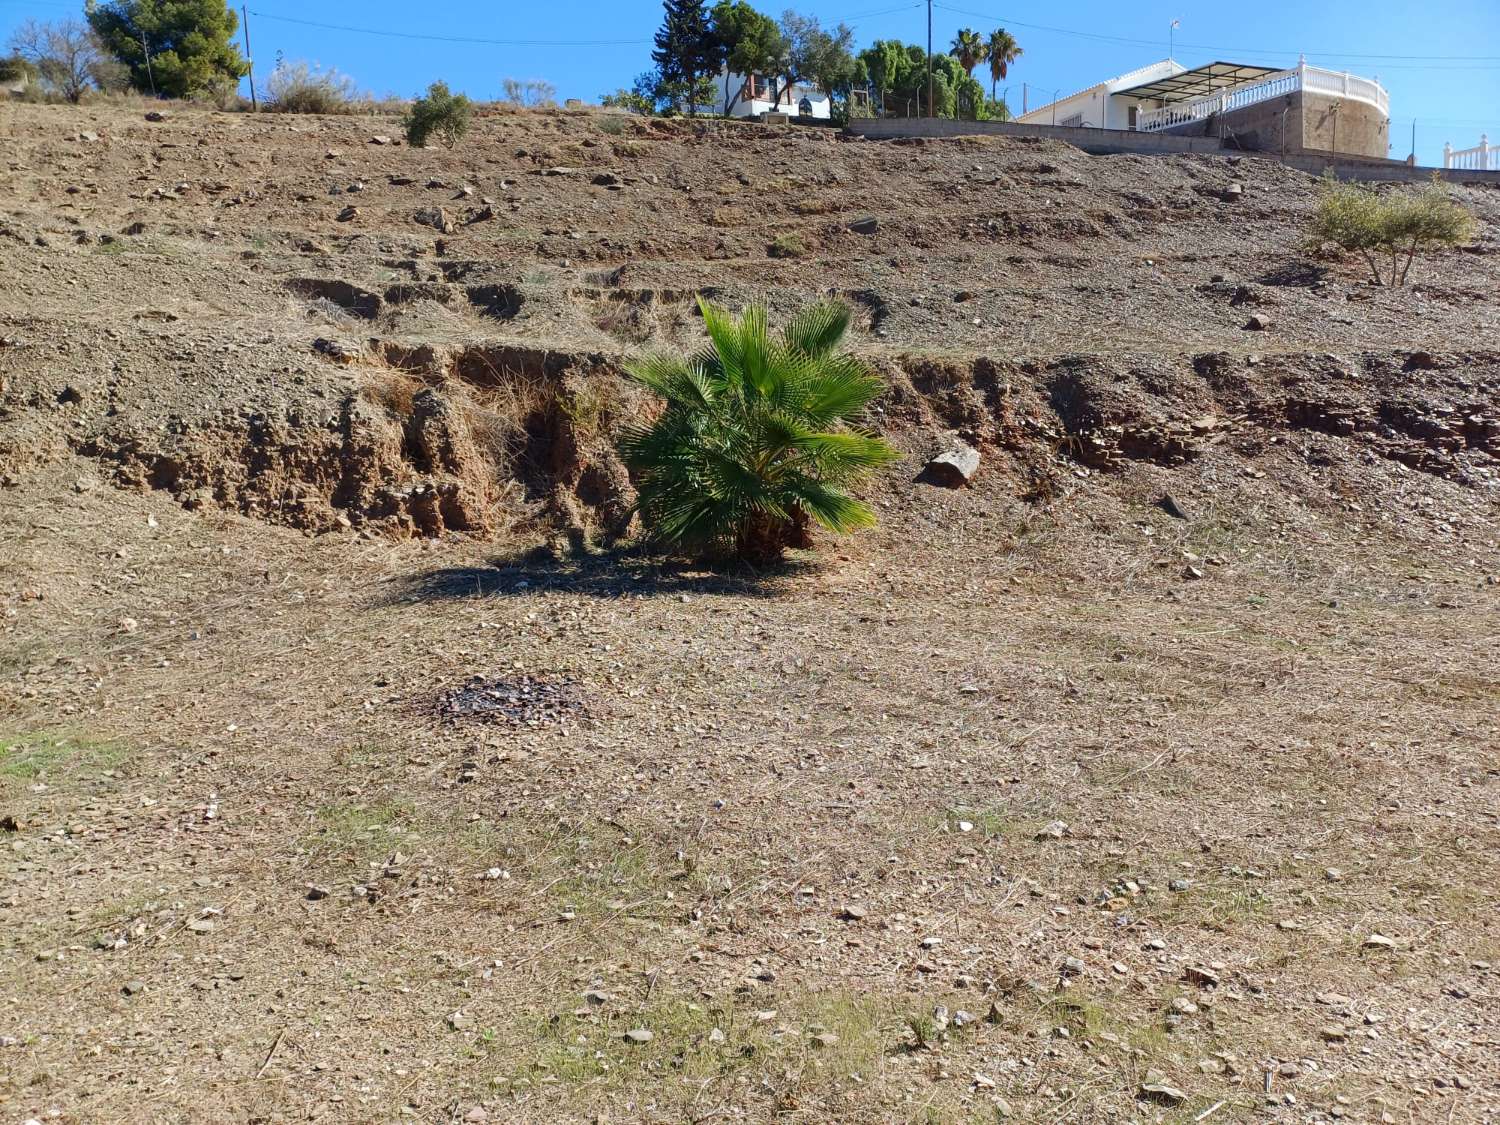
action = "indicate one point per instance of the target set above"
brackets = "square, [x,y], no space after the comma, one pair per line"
[816,331]
[753,437]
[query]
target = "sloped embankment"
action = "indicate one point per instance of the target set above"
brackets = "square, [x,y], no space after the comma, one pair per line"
[484,438]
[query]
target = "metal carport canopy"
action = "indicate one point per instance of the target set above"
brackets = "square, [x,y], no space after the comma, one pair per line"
[1200,81]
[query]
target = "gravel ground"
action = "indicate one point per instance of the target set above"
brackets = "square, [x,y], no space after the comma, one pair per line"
[1038,802]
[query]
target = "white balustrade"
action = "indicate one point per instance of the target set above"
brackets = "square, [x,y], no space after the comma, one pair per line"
[1310,78]
[1483,157]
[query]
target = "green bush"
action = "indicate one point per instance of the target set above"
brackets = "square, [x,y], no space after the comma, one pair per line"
[15,68]
[787,245]
[441,114]
[301,87]
[1394,227]
[753,445]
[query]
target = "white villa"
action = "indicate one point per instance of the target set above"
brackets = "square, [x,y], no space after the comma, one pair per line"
[751,96]
[1223,96]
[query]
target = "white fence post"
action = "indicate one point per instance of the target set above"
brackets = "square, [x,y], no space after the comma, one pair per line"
[1484,151]
[1447,155]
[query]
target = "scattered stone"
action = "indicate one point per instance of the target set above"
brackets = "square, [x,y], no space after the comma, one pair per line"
[1073,967]
[824,1039]
[435,217]
[560,171]
[1161,1091]
[1053,830]
[1173,507]
[157,115]
[339,351]
[1258,323]
[853,913]
[9,823]
[953,468]
[867,225]
[1180,885]
[1379,941]
[315,892]
[1205,977]
[380,139]
[1333,1034]
[348,213]
[1234,192]
[460,1021]
[1183,1006]
[639,1035]
[201,926]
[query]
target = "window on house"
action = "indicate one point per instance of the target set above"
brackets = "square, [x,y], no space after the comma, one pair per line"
[1072,121]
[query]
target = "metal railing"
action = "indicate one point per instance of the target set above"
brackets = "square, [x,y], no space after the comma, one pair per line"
[1483,157]
[1303,77]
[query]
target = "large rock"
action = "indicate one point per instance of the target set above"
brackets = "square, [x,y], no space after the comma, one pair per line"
[953,468]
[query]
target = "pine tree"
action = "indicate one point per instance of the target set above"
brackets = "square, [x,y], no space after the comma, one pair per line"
[686,48]
[191,42]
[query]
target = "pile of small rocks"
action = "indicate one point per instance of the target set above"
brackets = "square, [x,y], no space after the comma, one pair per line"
[523,700]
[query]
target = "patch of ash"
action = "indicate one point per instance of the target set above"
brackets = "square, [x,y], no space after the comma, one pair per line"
[523,701]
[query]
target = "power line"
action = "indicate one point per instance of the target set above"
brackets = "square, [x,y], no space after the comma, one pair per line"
[489,42]
[1101,37]
[455,38]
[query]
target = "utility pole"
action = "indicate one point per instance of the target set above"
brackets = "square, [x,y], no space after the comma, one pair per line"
[250,62]
[930,112]
[145,50]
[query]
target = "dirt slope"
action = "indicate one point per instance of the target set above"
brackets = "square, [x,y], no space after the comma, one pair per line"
[1186,812]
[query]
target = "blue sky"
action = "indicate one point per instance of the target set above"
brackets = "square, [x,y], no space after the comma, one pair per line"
[1439,60]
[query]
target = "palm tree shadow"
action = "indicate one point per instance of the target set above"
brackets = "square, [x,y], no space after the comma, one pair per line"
[611,574]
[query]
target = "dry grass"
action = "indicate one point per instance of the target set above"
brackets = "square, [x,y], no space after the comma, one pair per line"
[762,805]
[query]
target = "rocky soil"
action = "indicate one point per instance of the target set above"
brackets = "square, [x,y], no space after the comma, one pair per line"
[353,768]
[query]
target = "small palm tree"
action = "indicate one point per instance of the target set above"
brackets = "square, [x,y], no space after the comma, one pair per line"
[1002,50]
[753,443]
[969,49]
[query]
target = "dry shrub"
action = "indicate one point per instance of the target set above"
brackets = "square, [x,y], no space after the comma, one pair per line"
[393,391]
[1395,226]
[301,87]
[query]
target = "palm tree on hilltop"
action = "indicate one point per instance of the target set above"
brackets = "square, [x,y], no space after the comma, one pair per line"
[1002,50]
[969,49]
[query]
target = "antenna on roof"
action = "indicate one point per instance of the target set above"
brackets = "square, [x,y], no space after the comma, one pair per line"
[1172,39]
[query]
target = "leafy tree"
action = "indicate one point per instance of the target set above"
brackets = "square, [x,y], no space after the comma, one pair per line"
[639,99]
[191,42]
[996,109]
[16,67]
[888,63]
[66,56]
[749,41]
[753,445]
[969,48]
[686,50]
[899,71]
[1001,51]
[1395,226]
[818,57]
[441,114]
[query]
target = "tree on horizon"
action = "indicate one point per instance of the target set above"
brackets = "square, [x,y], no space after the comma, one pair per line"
[686,48]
